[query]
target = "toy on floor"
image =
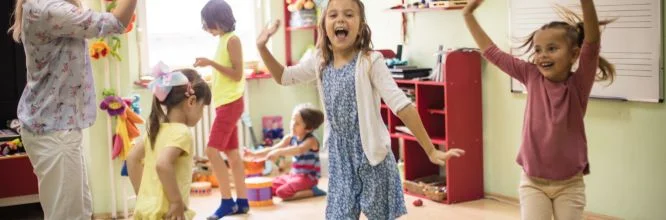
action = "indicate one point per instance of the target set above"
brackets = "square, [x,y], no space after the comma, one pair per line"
[203,173]
[418,202]
[259,192]
[254,168]
[200,189]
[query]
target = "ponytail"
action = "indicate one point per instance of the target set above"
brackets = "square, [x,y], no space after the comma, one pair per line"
[156,117]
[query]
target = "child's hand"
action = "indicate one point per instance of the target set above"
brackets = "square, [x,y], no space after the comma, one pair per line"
[203,62]
[272,156]
[267,33]
[440,158]
[471,6]
[176,211]
[250,155]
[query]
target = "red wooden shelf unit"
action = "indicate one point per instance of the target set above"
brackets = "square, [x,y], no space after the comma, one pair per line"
[451,114]
[288,34]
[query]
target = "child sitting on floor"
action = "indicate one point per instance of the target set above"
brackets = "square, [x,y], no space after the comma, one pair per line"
[302,180]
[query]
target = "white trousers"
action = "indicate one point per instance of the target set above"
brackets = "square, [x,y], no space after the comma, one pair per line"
[60,167]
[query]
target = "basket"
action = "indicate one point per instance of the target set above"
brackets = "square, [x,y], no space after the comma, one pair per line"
[432,187]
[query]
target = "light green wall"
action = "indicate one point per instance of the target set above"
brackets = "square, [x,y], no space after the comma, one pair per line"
[626,139]
[266,98]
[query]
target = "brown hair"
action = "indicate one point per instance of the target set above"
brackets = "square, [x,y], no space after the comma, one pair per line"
[575,33]
[174,98]
[363,42]
[312,117]
[217,14]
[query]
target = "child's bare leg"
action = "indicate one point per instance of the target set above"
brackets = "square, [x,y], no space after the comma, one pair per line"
[221,171]
[238,170]
[227,205]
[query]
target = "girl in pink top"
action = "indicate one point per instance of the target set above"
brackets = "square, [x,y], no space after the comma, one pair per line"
[553,152]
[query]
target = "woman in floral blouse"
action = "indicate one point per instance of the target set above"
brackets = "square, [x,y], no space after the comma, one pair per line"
[59,98]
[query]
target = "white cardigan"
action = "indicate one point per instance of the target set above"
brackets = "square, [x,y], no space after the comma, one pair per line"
[373,83]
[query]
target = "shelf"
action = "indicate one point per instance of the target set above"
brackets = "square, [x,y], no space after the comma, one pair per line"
[437,111]
[413,10]
[311,27]
[435,140]
[258,76]
[419,82]
[16,156]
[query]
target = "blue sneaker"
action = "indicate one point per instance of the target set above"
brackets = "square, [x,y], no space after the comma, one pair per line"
[227,207]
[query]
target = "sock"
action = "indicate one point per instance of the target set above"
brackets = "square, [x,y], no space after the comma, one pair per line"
[227,207]
[318,192]
[243,206]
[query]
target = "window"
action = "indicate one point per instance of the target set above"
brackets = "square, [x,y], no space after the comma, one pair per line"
[172,32]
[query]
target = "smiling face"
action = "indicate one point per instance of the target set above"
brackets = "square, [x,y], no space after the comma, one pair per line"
[342,24]
[554,54]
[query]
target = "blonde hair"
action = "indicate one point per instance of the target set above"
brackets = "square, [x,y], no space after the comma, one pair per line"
[17,26]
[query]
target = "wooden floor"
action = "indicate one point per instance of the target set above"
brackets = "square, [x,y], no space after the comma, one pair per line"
[314,208]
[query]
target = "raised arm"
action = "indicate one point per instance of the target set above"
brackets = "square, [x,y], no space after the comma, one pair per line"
[591,22]
[480,36]
[274,67]
[124,11]
[63,19]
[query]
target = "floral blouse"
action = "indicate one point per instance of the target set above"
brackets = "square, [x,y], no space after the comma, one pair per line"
[60,91]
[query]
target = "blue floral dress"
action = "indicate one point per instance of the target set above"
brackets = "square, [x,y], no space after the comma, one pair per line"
[354,185]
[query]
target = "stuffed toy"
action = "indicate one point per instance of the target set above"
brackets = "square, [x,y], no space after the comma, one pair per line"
[297,5]
[11,147]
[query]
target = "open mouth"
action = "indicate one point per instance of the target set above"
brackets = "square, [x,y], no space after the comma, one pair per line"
[341,33]
[546,65]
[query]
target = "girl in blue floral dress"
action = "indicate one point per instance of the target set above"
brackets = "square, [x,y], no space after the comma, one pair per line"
[352,80]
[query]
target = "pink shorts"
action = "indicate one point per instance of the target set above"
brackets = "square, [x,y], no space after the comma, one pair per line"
[224,132]
[287,185]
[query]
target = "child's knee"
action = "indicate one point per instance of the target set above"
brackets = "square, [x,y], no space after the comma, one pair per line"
[212,153]
[284,192]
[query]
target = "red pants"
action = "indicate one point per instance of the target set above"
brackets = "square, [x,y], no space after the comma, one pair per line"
[286,186]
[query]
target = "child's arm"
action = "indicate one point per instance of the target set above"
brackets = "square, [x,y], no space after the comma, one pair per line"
[480,37]
[589,51]
[167,173]
[135,166]
[274,67]
[263,152]
[234,72]
[591,22]
[516,68]
[308,144]
[300,73]
[412,120]
[393,96]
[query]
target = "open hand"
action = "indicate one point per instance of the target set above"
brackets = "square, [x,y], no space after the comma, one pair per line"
[471,6]
[202,62]
[440,158]
[267,32]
